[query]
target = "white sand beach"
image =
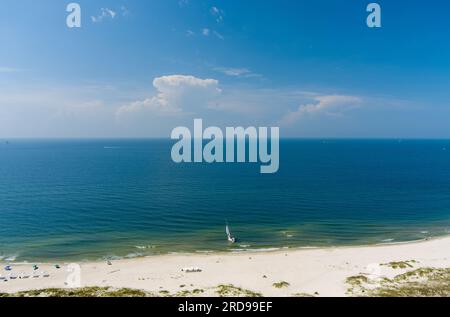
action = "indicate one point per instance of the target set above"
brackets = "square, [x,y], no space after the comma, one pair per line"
[319,272]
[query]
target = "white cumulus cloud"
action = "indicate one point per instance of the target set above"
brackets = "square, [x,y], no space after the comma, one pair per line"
[176,94]
[325,104]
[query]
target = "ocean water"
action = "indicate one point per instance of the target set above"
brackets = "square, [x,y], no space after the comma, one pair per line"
[80,200]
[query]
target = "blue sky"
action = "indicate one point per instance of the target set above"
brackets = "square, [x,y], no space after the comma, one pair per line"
[141,68]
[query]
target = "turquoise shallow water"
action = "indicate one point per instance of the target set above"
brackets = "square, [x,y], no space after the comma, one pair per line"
[83,199]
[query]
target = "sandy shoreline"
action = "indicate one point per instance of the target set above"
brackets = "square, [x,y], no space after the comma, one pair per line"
[320,272]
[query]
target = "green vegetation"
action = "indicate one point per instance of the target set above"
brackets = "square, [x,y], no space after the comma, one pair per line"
[126,292]
[424,282]
[302,295]
[400,265]
[281,285]
[82,292]
[222,290]
[233,291]
[357,280]
[356,284]
[193,293]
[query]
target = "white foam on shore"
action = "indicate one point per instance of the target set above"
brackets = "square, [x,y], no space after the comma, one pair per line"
[8,258]
[134,255]
[145,247]
[258,250]
[393,242]
[205,251]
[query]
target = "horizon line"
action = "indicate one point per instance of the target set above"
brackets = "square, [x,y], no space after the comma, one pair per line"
[3,139]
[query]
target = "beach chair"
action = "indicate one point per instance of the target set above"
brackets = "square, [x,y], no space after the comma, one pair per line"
[45,274]
[36,275]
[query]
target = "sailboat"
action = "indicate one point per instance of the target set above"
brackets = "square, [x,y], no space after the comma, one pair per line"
[229,235]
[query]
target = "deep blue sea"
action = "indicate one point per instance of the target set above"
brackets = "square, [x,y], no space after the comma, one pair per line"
[79,199]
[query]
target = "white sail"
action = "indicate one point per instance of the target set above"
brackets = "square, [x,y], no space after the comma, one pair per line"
[229,236]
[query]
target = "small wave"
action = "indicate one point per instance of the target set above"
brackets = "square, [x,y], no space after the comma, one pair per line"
[387,240]
[111,147]
[258,250]
[424,232]
[8,258]
[112,258]
[145,247]
[288,234]
[245,246]
[134,255]
[118,258]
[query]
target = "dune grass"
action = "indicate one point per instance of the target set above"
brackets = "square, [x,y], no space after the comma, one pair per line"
[82,292]
[281,284]
[424,282]
[221,290]
[233,291]
[400,264]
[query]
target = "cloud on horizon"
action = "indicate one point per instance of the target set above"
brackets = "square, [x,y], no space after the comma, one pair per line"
[176,94]
[185,97]
[331,105]
[113,110]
